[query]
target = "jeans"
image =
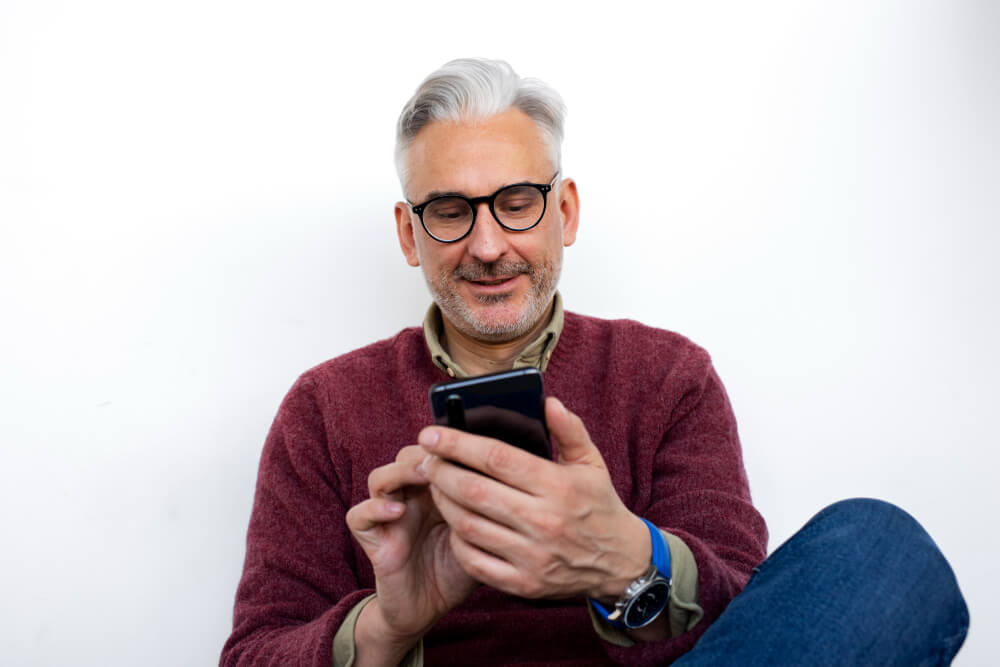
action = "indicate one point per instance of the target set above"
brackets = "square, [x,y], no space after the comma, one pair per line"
[861,584]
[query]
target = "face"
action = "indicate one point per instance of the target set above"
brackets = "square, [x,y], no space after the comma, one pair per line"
[494,285]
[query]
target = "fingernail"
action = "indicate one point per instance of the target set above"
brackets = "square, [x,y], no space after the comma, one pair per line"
[394,508]
[422,466]
[428,438]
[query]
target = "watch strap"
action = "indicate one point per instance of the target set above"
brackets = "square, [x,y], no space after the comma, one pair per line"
[661,560]
[661,552]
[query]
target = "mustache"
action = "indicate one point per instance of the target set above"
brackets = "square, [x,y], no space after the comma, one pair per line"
[492,270]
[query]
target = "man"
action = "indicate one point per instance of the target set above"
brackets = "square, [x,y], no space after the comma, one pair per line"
[369,546]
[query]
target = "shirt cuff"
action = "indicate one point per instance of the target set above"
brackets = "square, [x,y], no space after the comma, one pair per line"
[683,608]
[343,641]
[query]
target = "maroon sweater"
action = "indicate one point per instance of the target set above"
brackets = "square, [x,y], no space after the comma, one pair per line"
[651,402]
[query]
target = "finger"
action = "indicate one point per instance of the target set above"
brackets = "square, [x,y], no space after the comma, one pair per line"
[371,524]
[504,462]
[481,495]
[571,436]
[387,480]
[479,530]
[410,455]
[493,570]
[373,512]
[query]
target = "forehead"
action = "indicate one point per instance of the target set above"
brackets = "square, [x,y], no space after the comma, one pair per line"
[477,157]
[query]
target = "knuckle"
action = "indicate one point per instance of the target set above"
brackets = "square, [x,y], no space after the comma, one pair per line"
[474,570]
[374,482]
[551,526]
[462,555]
[499,457]
[532,588]
[524,514]
[355,517]
[409,454]
[474,489]
[467,527]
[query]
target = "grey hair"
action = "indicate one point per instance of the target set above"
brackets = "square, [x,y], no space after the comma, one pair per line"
[476,89]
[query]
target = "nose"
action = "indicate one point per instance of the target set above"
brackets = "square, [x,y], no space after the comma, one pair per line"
[487,241]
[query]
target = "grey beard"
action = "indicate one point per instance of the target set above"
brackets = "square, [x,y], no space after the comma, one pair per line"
[543,281]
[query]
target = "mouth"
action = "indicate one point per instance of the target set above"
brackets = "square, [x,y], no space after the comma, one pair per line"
[491,282]
[493,279]
[494,285]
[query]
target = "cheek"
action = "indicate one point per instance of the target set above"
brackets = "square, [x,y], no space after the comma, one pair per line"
[436,259]
[546,248]
[553,235]
[425,253]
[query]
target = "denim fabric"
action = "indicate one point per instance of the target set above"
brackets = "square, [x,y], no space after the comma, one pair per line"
[861,584]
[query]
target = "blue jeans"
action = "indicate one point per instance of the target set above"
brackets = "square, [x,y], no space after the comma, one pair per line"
[861,584]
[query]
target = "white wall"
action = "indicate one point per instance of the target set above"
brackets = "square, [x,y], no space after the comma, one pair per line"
[195,205]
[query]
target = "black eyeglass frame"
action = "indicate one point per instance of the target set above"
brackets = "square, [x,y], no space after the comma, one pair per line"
[474,203]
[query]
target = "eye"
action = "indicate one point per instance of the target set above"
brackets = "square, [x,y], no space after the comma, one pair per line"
[518,201]
[449,213]
[515,205]
[447,209]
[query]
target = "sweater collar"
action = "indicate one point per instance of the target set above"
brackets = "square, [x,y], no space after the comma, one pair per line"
[536,354]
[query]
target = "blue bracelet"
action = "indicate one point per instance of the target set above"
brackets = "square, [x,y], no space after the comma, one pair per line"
[661,559]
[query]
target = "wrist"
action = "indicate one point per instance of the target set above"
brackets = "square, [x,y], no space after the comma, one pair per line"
[634,558]
[376,641]
[645,599]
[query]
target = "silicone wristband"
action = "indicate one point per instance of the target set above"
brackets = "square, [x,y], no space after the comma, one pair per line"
[660,558]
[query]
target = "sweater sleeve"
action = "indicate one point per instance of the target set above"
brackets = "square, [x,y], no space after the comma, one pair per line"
[290,602]
[700,494]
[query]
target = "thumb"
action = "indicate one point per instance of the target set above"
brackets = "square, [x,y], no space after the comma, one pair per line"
[571,437]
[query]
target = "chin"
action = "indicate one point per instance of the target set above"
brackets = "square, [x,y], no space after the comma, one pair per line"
[496,328]
[501,320]
[496,318]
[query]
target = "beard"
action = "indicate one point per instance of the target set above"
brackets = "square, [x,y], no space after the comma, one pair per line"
[489,323]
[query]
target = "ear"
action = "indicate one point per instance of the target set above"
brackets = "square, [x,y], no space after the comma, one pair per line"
[569,210]
[405,232]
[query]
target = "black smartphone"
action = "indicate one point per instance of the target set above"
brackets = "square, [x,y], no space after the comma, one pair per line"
[508,406]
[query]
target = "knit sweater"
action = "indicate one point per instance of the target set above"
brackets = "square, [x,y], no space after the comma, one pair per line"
[652,404]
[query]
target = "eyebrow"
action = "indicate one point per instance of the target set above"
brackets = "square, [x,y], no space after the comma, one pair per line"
[443,193]
[434,194]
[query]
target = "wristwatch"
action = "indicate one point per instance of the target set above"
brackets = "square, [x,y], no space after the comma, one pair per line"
[646,597]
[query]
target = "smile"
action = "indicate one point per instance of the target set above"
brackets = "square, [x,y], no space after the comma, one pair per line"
[503,284]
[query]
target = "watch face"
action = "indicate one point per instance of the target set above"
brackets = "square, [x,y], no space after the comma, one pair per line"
[648,604]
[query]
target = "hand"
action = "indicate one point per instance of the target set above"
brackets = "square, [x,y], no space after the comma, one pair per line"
[417,577]
[531,527]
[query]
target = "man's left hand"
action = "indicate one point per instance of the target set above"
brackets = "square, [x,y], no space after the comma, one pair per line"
[531,527]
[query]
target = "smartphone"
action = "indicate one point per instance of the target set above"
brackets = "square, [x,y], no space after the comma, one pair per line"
[508,406]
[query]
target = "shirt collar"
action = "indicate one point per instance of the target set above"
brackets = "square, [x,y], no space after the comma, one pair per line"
[536,354]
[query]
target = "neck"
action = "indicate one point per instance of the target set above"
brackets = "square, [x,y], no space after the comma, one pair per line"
[478,357]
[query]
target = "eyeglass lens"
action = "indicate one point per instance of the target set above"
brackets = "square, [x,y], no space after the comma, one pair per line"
[517,207]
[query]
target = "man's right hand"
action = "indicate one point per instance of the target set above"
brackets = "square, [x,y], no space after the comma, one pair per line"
[417,578]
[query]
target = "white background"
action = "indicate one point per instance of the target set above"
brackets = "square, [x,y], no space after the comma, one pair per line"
[196,205]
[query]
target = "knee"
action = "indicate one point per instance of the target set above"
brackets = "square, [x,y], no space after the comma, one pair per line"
[868,514]
[864,525]
[883,540]
[894,560]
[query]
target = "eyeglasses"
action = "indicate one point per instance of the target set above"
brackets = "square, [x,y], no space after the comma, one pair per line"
[518,208]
